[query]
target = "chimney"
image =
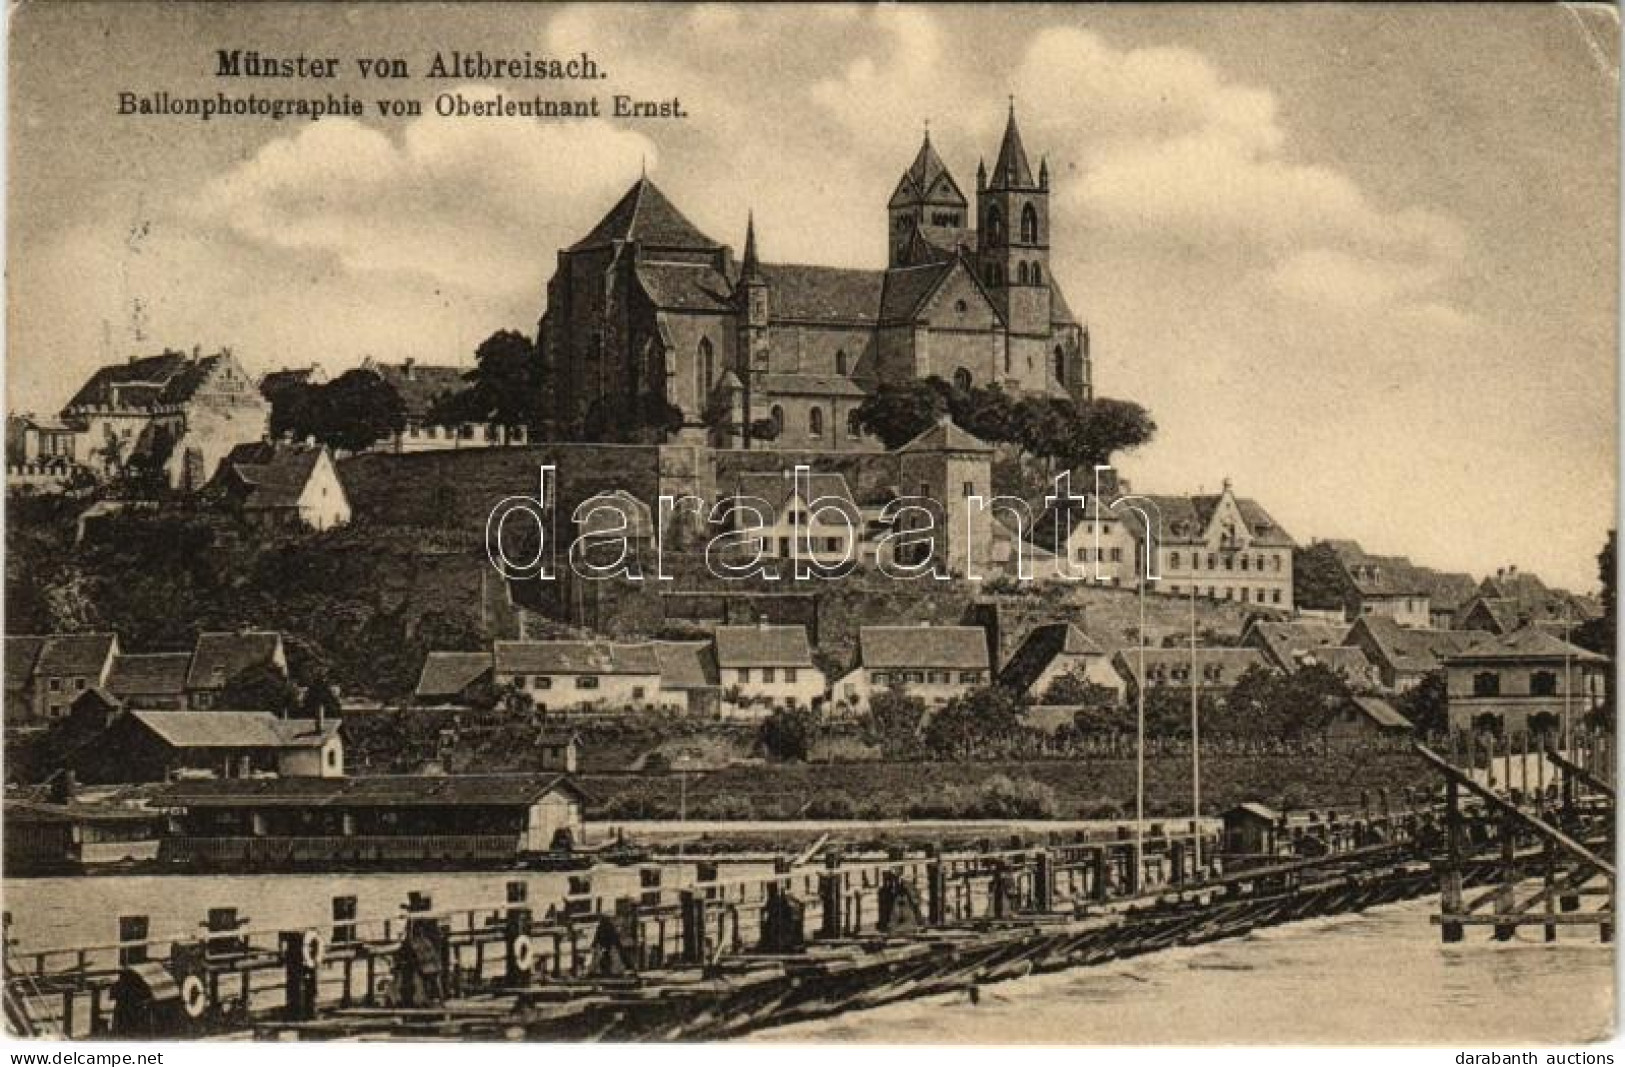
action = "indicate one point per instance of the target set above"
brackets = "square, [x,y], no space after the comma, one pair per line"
[1512,570]
[197,350]
[409,370]
[1500,572]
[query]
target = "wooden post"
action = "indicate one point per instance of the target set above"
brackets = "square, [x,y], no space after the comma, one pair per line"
[1450,882]
[132,928]
[691,914]
[1549,883]
[1507,897]
[1176,859]
[1099,883]
[936,889]
[1043,881]
[344,912]
[829,896]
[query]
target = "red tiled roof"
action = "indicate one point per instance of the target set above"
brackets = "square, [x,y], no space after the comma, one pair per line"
[923,647]
[762,646]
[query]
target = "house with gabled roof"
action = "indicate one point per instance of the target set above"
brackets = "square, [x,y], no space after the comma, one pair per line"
[807,517]
[156,746]
[1404,655]
[1217,670]
[579,675]
[153,681]
[1524,680]
[280,484]
[1053,650]
[219,659]
[934,663]
[968,294]
[689,676]
[452,677]
[765,666]
[175,412]
[52,670]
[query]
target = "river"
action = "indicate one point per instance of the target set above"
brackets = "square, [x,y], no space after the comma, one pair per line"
[1381,977]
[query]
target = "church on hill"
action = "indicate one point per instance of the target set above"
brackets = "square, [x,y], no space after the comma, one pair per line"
[645,305]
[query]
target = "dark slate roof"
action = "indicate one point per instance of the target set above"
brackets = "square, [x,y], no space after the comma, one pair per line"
[762,646]
[142,383]
[221,657]
[388,791]
[21,655]
[1285,640]
[270,475]
[149,674]
[1060,312]
[419,385]
[273,382]
[1184,519]
[923,647]
[686,664]
[1381,712]
[809,385]
[234,729]
[906,288]
[946,436]
[927,181]
[685,287]
[1349,661]
[574,657]
[1418,649]
[449,674]
[824,294]
[74,654]
[1531,642]
[777,487]
[1011,169]
[645,215]
[1040,648]
[1232,664]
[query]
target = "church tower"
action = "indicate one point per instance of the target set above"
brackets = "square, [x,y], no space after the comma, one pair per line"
[926,199]
[1012,210]
[750,297]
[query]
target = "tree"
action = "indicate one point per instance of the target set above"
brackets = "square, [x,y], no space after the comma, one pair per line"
[1091,433]
[894,721]
[1075,687]
[898,412]
[505,386]
[974,722]
[348,414]
[262,687]
[787,734]
[1294,704]
[1427,704]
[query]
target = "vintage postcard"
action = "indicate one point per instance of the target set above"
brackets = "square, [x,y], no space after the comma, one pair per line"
[982,524]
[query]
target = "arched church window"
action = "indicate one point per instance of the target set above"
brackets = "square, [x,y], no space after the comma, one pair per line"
[1021,273]
[815,422]
[705,368]
[1029,225]
[1060,364]
[962,380]
[776,417]
[854,425]
[995,226]
[840,361]
[1038,274]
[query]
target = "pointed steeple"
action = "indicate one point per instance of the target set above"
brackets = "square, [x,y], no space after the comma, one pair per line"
[1043,172]
[927,181]
[1012,170]
[750,268]
[981,174]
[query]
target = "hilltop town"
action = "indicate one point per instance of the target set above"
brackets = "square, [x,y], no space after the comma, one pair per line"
[211,569]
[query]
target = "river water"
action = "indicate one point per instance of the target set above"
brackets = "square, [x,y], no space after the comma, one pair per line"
[1381,977]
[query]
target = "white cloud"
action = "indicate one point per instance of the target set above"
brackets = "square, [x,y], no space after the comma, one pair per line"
[472,204]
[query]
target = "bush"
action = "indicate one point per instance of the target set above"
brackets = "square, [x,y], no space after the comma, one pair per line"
[723,809]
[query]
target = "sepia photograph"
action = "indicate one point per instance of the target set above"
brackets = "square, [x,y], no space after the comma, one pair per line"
[831,524]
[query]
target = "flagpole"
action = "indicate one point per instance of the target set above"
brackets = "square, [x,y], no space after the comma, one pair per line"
[1196,742]
[1139,746]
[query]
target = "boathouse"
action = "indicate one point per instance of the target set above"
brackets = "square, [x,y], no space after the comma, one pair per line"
[388,819]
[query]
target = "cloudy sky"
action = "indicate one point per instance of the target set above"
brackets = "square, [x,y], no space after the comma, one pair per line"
[1361,260]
